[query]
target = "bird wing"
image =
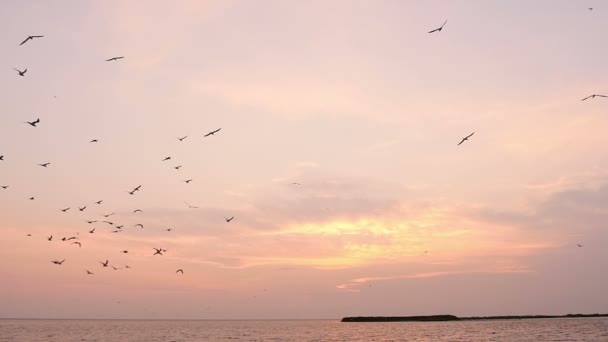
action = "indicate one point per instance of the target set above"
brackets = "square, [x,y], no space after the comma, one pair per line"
[461,141]
[470,135]
[37,36]
[433,30]
[601,95]
[25,41]
[445,22]
[586,97]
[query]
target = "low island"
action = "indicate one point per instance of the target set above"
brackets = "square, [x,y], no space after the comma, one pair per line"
[445,318]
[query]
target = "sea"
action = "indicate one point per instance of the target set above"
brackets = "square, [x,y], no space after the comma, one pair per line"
[559,329]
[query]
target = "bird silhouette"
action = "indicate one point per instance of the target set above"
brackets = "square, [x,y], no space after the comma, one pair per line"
[125,251]
[31,198]
[91,222]
[295,183]
[578,244]
[104,264]
[212,132]
[136,188]
[44,165]
[137,211]
[127,266]
[120,227]
[29,38]
[117,231]
[465,138]
[50,238]
[89,272]
[593,96]
[182,138]
[108,222]
[166,158]
[229,219]
[440,28]
[115,269]
[168,229]
[190,206]
[1,157]
[187,181]
[33,123]
[93,141]
[159,251]
[180,270]
[98,202]
[77,243]
[92,231]
[177,167]
[65,209]
[56,262]
[4,186]
[83,208]
[108,215]
[21,73]
[140,225]
[114,58]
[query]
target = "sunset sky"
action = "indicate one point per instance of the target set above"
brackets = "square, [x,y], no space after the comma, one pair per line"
[352,100]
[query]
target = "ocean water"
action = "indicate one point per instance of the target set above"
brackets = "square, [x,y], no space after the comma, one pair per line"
[578,329]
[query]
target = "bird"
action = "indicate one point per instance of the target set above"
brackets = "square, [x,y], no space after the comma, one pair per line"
[21,73]
[93,141]
[182,138]
[137,211]
[56,262]
[98,202]
[140,225]
[77,243]
[190,206]
[108,222]
[212,132]
[127,266]
[590,8]
[167,158]
[29,38]
[137,188]
[1,157]
[117,231]
[440,28]
[33,123]
[50,238]
[108,215]
[168,229]
[31,198]
[114,58]
[295,183]
[180,270]
[4,186]
[578,244]
[70,238]
[593,96]
[83,208]
[120,227]
[92,231]
[158,251]
[187,181]
[115,269]
[105,264]
[89,272]
[465,138]
[91,222]
[29,235]
[177,167]
[125,251]
[229,219]
[65,209]
[44,165]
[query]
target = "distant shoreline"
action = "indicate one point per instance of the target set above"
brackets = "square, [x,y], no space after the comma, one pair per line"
[447,318]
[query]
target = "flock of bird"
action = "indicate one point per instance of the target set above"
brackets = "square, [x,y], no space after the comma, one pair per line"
[118,228]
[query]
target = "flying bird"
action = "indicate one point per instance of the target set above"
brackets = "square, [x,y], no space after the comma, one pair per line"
[1,157]
[98,202]
[114,58]
[44,165]
[440,28]
[578,244]
[108,215]
[127,266]
[187,181]
[166,158]
[21,73]
[91,222]
[33,123]
[140,225]
[182,138]
[229,219]
[4,186]
[65,209]
[56,262]
[180,270]
[89,272]
[465,138]
[125,251]
[190,206]
[115,269]
[117,231]
[83,208]
[92,231]
[29,38]
[168,229]
[177,167]
[105,264]
[31,198]
[120,227]
[77,243]
[159,251]
[212,132]
[93,141]
[593,96]
[50,238]
[137,211]
[295,183]
[108,222]
[137,188]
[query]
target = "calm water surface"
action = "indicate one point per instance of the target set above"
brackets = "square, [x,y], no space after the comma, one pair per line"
[581,329]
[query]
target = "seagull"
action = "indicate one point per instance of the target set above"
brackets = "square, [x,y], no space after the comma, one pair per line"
[120,227]
[56,262]
[177,167]
[50,238]
[89,272]
[108,215]
[29,38]
[440,28]
[91,222]
[98,202]
[92,231]
[465,138]
[137,211]
[182,138]
[31,198]
[166,158]
[187,181]
[180,270]
[190,206]
[594,96]
[21,73]
[44,165]
[212,132]
[33,123]
[4,186]
[140,225]
[115,58]
[125,251]
[105,264]
[93,141]
[65,210]
[77,243]
[578,244]
[158,251]
[83,208]
[229,219]
[108,222]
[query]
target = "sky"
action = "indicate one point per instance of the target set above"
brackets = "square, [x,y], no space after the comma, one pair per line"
[352,100]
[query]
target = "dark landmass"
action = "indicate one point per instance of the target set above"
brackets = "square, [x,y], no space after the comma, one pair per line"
[444,318]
